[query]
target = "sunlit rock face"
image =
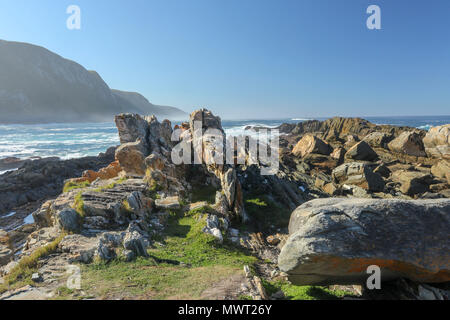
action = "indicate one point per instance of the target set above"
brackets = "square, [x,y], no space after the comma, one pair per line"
[334,241]
[437,142]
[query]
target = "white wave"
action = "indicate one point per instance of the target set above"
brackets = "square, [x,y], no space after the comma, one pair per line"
[241,131]
[8,215]
[75,155]
[426,127]
[6,171]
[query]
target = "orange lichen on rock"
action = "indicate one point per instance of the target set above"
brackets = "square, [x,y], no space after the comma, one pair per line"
[415,272]
[106,173]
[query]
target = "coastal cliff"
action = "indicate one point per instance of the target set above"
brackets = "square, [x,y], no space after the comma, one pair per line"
[39,86]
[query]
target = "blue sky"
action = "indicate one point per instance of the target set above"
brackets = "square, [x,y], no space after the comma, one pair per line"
[255,58]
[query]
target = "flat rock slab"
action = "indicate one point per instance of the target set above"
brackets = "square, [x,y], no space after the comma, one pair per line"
[168,203]
[80,248]
[27,293]
[105,202]
[196,205]
[334,241]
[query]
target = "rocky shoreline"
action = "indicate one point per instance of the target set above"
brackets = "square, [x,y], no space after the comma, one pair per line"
[359,194]
[37,179]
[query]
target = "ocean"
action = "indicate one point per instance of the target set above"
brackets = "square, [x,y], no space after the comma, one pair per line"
[74,140]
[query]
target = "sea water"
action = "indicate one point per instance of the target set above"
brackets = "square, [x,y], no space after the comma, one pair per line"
[74,140]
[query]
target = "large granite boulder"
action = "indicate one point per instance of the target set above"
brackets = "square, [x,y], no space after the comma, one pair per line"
[311,144]
[358,174]
[437,142]
[410,143]
[334,241]
[361,151]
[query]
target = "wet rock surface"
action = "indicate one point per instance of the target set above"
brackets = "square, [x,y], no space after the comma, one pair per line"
[41,179]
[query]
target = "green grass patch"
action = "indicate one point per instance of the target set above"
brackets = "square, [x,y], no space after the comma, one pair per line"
[266,213]
[185,242]
[142,279]
[78,204]
[152,190]
[111,185]
[126,206]
[293,292]
[21,274]
[200,211]
[71,185]
[186,264]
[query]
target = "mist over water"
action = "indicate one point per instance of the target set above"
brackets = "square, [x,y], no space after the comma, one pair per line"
[74,140]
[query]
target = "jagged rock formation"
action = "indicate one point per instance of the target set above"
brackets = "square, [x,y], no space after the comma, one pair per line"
[338,128]
[206,147]
[377,152]
[146,151]
[118,196]
[334,241]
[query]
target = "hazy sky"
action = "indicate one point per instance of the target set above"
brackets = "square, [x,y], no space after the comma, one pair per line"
[255,58]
